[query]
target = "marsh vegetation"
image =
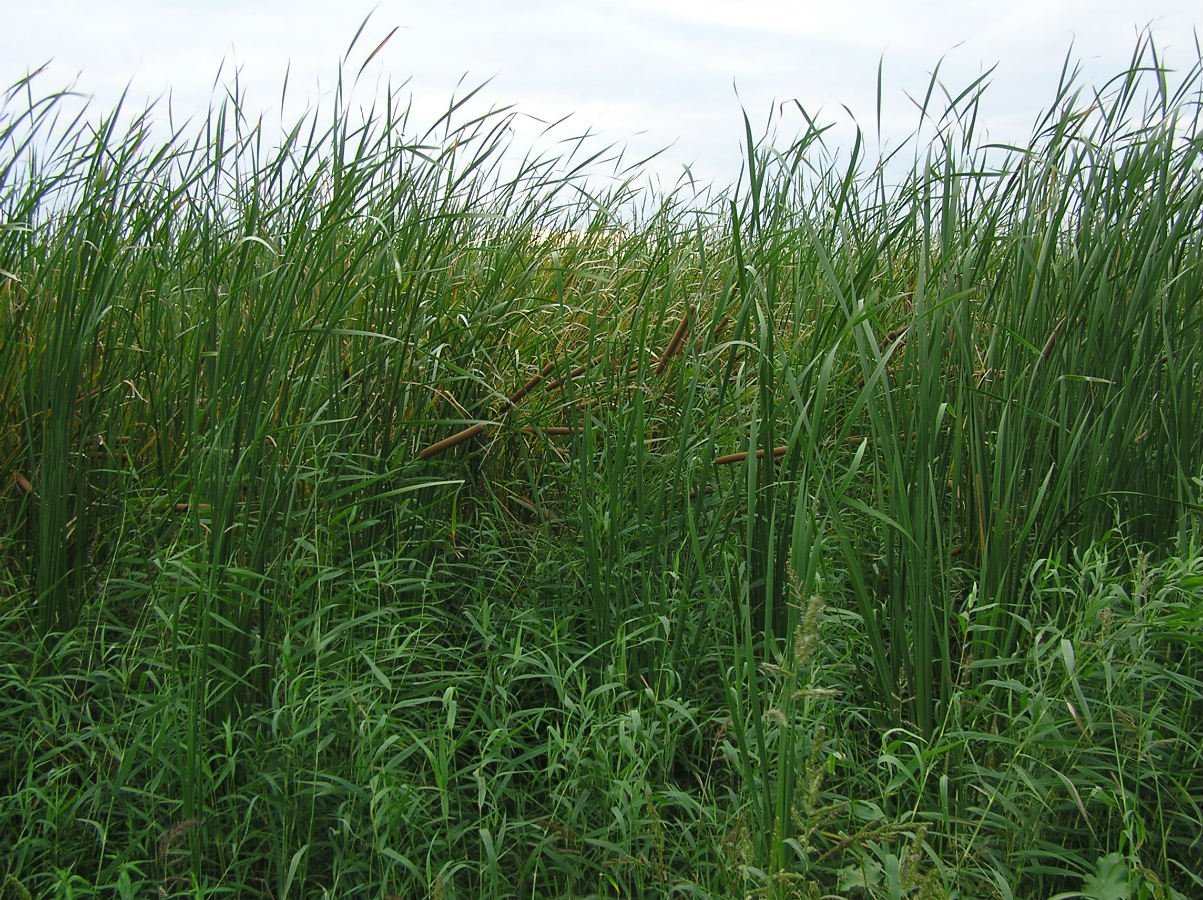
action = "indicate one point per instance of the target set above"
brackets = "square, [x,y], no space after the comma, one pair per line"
[834,534]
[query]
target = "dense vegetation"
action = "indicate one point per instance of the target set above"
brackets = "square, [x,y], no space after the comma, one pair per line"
[834,535]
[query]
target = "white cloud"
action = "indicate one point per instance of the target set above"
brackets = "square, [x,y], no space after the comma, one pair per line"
[653,72]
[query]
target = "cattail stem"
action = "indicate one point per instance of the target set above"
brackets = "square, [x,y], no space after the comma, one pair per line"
[550,430]
[453,441]
[740,457]
[575,373]
[1052,341]
[472,431]
[678,338]
[530,385]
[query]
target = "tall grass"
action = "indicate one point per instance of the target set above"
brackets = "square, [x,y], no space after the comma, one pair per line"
[387,511]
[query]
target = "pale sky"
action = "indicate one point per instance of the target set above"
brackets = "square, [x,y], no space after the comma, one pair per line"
[644,73]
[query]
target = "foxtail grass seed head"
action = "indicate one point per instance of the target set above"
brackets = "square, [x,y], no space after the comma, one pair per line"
[774,714]
[815,772]
[806,635]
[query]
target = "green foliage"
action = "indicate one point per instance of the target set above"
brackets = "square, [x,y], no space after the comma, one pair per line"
[387,512]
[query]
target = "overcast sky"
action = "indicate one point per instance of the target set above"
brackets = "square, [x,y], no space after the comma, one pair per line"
[645,73]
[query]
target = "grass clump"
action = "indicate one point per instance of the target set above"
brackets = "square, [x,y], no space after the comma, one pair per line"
[386,512]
